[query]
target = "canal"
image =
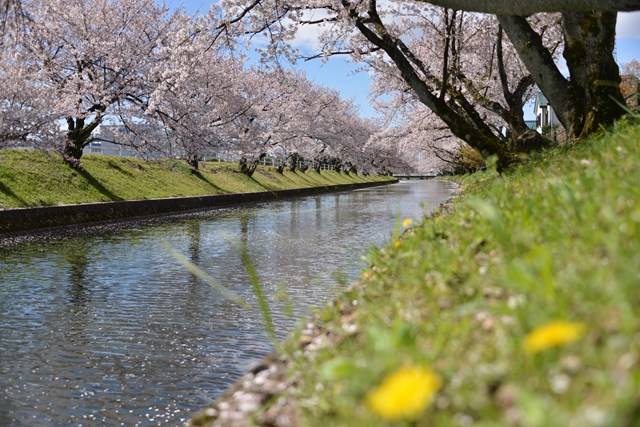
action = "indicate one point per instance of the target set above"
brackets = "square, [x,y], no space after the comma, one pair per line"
[106,327]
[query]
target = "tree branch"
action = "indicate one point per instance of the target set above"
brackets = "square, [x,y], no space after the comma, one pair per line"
[529,7]
[540,64]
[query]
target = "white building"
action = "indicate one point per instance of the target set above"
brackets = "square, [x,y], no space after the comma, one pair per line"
[106,141]
[546,118]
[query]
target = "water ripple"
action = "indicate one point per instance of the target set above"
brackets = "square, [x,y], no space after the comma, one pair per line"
[108,329]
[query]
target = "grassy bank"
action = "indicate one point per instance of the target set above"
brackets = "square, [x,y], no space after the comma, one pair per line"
[33,178]
[516,306]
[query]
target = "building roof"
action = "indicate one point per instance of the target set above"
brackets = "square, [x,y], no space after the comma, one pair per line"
[541,100]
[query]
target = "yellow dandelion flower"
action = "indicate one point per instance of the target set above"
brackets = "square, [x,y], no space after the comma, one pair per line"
[397,244]
[553,334]
[404,394]
[407,222]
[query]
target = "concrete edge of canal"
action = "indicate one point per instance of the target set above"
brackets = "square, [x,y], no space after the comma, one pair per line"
[42,217]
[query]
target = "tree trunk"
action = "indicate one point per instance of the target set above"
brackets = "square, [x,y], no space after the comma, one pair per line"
[293,161]
[588,101]
[72,152]
[523,139]
[193,162]
[246,168]
[78,136]
[249,167]
[540,64]
[595,76]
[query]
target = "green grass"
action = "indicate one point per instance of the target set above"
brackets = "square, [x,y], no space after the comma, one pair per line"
[556,239]
[34,178]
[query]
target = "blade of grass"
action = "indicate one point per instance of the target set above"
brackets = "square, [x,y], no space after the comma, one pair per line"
[258,291]
[197,271]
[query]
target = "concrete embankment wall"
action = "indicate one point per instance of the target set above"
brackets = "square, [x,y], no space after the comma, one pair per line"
[23,219]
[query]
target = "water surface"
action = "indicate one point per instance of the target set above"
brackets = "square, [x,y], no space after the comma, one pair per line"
[107,328]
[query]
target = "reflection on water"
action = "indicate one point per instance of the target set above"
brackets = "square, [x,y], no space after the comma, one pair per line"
[110,330]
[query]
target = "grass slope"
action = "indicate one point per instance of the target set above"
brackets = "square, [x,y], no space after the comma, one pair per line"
[439,331]
[34,178]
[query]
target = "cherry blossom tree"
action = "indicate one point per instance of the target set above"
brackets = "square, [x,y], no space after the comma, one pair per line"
[631,83]
[267,123]
[69,66]
[10,12]
[85,59]
[423,144]
[24,117]
[365,29]
[328,127]
[174,84]
[290,118]
[382,157]
[400,39]
[22,112]
[197,105]
[474,59]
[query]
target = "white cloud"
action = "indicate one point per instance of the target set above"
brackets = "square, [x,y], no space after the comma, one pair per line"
[628,24]
[308,36]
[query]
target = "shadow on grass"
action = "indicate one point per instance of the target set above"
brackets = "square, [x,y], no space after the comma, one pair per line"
[260,184]
[6,190]
[331,179]
[253,179]
[203,178]
[279,177]
[113,165]
[97,185]
[271,175]
[304,176]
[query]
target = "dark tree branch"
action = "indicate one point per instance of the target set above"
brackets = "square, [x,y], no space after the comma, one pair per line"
[529,7]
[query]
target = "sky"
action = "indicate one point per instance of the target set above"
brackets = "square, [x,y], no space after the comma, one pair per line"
[353,83]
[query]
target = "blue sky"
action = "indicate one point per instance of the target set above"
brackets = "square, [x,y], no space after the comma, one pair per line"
[346,78]
[337,73]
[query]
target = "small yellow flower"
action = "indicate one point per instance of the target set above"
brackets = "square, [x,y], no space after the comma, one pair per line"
[552,335]
[404,394]
[397,244]
[407,222]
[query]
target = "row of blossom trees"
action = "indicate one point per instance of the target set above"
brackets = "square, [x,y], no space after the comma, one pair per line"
[448,77]
[473,71]
[170,80]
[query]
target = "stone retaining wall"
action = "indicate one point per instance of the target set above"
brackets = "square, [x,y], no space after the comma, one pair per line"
[23,219]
